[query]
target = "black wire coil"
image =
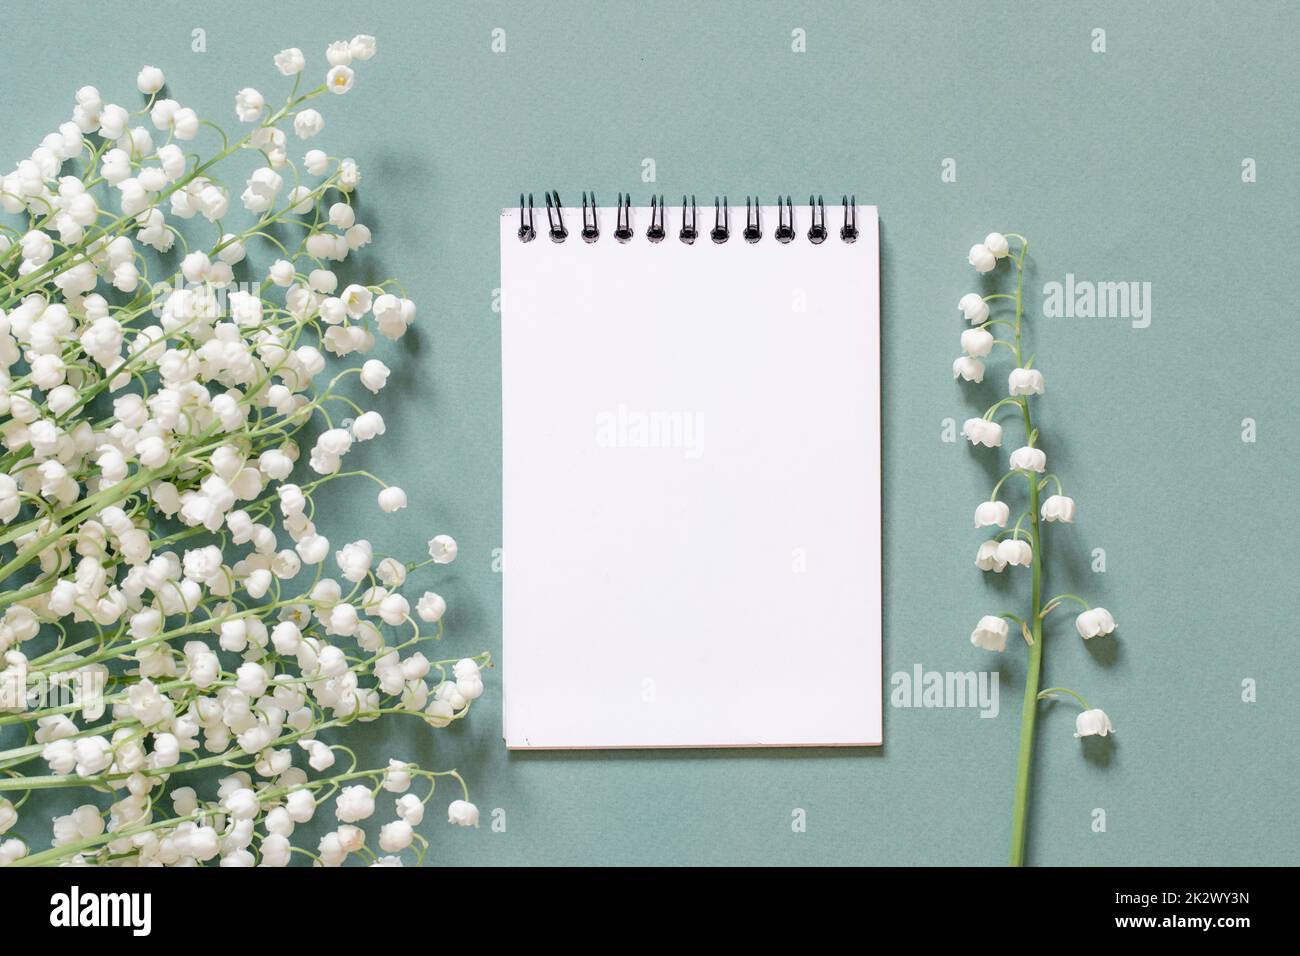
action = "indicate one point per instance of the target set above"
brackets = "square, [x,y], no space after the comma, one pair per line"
[689,230]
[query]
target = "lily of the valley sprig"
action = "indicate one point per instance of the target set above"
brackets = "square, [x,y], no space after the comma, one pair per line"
[1021,544]
[169,611]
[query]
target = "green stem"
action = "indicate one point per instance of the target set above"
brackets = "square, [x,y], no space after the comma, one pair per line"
[1051,605]
[1033,672]
[1050,691]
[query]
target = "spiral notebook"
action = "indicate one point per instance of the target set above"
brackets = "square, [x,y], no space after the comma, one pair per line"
[691,475]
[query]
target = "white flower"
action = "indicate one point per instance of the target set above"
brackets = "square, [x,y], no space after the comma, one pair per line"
[301,806]
[313,548]
[275,850]
[241,804]
[308,123]
[149,80]
[990,633]
[11,850]
[354,803]
[290,61]
[392,572]
[1028,459]
[981,432]
[1094,622]
[252,679]
[367,425]
[992,513]
[431,607]
[1014,551]
[1058,508]
[977,343]
[339,79]
[113,121]
[394,609]
[316,162]
[362,46]
[469,683]
[281,272]
[462,813]
[342,216]
[354,560]
[996,243]
[292,500]
[349,175]
[1092,723]
[331,851]
[249,105]
[357,299]
[981,257]
[392,499]
[172,160]
[396,836]
[335,441]
[410,809]
[397,778]
[986,559]
[1025,381]
[442,548]
[185,123]
[358,236]
[319,756]
[973,306]
[968,369]
[374,375]
[8,815]
[163,114]
[338,53]
[260,193]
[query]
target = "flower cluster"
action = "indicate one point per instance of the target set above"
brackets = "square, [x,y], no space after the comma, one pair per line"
[169,604]
[1019,545]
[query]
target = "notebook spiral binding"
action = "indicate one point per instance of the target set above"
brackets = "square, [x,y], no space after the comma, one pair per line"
[689,230]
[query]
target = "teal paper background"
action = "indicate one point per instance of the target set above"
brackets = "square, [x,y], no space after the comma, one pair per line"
[1118,166]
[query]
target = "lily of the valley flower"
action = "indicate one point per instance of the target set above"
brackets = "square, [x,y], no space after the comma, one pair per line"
[431,607]
[442,548]
[997,244]
[1092,723]
[980,431]
[994,512]
[977,343]
[1025,381]
[149,80]
[1058,508]
[1094,622]
[1015,552]
[969,369]
[986,558]
[462,813]
[990,633]
[1029,459]
[973,306]
[982,258]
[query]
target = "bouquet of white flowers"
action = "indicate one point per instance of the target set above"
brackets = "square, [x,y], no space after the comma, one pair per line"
[167,606]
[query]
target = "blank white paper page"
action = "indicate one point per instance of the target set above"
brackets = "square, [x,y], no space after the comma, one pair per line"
[691,487]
